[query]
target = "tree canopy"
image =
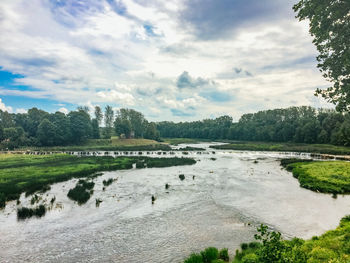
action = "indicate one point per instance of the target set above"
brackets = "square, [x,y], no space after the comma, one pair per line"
[329,22]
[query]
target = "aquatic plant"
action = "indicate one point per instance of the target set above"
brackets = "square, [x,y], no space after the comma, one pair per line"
[24,212]
[108,182]
[166,186]
[98,202]
[153,199]
[194,258]
[182,177]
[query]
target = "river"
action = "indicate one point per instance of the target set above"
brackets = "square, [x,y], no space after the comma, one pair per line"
[220,203]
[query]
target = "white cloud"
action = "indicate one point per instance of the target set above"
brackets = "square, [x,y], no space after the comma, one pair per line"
[134,58]
[3,107]
[63,110]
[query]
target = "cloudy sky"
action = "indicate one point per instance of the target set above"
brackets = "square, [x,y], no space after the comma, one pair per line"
[172,60]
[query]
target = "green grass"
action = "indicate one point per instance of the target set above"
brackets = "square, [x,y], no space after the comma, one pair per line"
[285,147]
[113,144]
[322,176]
[31,173]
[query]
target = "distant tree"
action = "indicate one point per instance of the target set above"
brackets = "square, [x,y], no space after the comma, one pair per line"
[152,132]
[6,119]
[122,126]
[35,116]
[46,133]
[84,108]
[63,133]
[80,125]
[109,118]
[95,129]
[330,27]
[98,114]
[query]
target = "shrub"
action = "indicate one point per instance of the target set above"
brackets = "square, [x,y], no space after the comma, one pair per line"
[24,212]
[194,258]
[223,254]
[209,254]
[79,194]
[250,258]
[108,182]
[182,177]
[244,246]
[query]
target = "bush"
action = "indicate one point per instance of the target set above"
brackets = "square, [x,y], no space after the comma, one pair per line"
[223,254]
[79,194]
[194,258]
[244,246]
[209,254]
[108,182]
[250,258]
[24,212]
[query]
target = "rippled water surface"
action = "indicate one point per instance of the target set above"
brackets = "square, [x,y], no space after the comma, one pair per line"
[219,203]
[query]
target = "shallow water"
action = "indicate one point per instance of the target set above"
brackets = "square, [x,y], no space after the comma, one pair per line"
[221,207]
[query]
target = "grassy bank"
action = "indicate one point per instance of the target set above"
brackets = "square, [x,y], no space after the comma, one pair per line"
[113,144]
[331,247]
[176,141]
[327,177]
[28,173]
[285,147]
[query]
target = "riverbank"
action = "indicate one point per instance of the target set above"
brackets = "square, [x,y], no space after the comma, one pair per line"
[285,147]
[326,177]
[332,246]
[28,173]
[113,144]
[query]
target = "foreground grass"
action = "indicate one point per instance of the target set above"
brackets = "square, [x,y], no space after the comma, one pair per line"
[331,247]
[327,177]
[113,144]
[285,147]
[30,173]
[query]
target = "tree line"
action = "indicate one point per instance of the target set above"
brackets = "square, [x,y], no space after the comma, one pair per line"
[40,128]
[295,124]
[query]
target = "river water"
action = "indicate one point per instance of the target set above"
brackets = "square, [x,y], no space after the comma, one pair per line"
[220,203]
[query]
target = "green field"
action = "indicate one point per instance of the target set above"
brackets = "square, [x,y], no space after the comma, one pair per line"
[30,173]
[327,177]
[113,144]
[285,147]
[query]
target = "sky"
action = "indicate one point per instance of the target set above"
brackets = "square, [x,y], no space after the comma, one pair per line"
[178,60]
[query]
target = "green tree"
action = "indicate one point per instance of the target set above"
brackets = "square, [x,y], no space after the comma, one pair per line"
[46,133]
[98,114]
[80,126]
[329,23]
[109,117]
[95,129]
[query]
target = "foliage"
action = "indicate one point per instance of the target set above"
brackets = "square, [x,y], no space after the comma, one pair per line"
[326,176]
[79,193]
[24,212]
[2,200]
[109,118]
[209,254]
[223,254]
[330,27]
[294,124]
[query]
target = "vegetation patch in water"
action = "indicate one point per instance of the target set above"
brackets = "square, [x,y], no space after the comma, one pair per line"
[31,173]
[24,212]
[322,176]
[80,192]
[108,182]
